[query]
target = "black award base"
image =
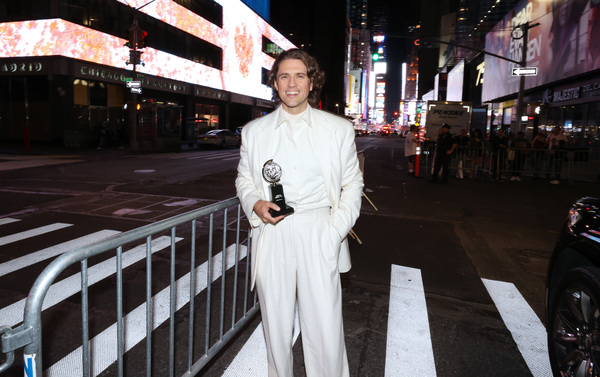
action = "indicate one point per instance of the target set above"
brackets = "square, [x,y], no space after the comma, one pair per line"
[279,199]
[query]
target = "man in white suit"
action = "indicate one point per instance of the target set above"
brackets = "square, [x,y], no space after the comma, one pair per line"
[297,258]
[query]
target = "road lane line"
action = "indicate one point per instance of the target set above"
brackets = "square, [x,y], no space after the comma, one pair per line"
[32,233]
[52,251]
[60,291]
[104,345]
[408,351]
[527,330]
[8,220]
[251,360]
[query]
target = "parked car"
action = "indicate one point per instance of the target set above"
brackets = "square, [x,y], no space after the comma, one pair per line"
[573,294]
[219,138]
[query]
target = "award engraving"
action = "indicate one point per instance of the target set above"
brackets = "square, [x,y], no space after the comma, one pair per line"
[272,174]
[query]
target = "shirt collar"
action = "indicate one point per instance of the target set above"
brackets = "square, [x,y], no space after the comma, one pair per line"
[306,117]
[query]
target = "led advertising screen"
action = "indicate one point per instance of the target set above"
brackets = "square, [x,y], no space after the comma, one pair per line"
[240,38]
[563,41]
[456,78]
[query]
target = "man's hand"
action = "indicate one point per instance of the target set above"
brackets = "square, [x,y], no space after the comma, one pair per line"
[261,208]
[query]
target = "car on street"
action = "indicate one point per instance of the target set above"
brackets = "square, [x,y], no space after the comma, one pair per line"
[220,138]
[573,294]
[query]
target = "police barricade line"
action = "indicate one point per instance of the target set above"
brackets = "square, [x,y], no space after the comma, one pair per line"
[564,164]
[103,346]
[157,309]
[526,328]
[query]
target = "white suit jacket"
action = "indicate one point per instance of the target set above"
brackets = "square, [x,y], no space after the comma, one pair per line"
[333,142]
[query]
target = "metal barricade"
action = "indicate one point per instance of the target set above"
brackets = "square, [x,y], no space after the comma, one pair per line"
[222,280]
[566,164]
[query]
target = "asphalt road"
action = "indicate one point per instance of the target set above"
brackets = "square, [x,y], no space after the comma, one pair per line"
[454,235]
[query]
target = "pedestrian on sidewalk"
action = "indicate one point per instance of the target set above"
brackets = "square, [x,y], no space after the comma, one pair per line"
[477,148]
[297,258]
[519,147]
[411,142]
[445,146]
[556,144]
[463,142]
[538,155]
[499,148]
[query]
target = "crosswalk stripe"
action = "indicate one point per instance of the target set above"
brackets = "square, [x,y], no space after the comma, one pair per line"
[251,360]
[527,330]
[408,351]
[32,233]
[216,157]
[49,252]
[104,345]
[13,314]
[8,220]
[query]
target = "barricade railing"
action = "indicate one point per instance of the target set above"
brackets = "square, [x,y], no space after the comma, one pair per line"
[184,308]
[569,164]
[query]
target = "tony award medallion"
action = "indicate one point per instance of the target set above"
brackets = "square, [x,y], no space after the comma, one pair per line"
[272,174]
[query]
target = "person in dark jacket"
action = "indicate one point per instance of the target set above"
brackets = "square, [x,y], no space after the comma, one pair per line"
[520,147]
[499,147]
[446,144]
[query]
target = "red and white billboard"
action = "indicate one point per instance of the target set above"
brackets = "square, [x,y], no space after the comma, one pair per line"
[240,38]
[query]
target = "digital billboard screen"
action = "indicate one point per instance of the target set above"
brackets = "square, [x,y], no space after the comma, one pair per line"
[240,38]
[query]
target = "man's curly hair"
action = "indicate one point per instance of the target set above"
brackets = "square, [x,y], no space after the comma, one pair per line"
[316,76]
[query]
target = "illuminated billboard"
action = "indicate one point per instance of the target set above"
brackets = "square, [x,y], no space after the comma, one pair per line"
[240,38]
[562,42]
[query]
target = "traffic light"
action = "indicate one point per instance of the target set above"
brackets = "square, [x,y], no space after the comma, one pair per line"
[141,38]
[132,37]
[137,38]
[135,57]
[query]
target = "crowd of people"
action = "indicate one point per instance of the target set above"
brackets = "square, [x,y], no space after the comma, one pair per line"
[497,158]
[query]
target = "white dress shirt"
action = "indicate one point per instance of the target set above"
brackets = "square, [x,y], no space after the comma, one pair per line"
[302,176]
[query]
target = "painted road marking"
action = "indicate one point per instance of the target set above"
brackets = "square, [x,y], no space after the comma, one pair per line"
[50,252]
[13,314]
[408,351]
[526,328]
[251,361]
[32,233]
[104,345]
[8,220]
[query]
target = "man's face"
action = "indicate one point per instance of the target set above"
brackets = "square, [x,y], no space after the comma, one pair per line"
[293,85]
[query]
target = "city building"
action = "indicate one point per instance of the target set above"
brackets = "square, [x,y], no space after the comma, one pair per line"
[67,76]
[526,65]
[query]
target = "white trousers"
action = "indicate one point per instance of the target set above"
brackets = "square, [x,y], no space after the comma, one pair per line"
[298,261]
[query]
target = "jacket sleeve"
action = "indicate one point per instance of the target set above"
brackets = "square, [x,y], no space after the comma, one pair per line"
[247,190]
[348,209]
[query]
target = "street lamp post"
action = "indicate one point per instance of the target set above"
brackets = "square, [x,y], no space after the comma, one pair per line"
[522,32]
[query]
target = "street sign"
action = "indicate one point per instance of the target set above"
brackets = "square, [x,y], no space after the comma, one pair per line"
[127,79]
[133,84]
[524,71]
[136,90]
